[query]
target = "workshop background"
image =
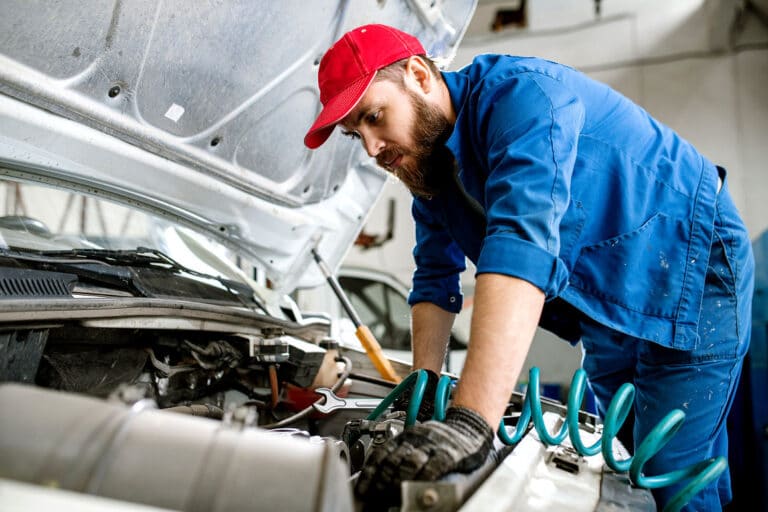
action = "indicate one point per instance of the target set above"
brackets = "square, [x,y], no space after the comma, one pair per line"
[701,67]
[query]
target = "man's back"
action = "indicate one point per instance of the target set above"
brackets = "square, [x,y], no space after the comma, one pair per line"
[574,167]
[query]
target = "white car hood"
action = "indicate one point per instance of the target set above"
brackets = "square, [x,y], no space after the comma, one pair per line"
[196,111]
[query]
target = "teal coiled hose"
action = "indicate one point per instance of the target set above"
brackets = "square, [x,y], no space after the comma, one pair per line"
[419,387]
[700,474]
[442,394]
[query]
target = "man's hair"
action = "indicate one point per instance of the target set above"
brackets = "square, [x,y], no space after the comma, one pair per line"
[395,71]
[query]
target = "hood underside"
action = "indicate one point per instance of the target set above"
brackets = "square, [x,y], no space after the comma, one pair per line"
[197,111]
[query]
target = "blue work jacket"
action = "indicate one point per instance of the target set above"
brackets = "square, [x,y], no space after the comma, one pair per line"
[569,185]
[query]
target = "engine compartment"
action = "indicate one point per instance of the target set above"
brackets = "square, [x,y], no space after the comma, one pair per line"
[155,415]
[141,411]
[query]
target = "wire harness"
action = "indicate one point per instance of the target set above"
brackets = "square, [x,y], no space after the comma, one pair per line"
[699,475]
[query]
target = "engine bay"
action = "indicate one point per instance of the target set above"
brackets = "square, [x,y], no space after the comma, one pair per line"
[208,419]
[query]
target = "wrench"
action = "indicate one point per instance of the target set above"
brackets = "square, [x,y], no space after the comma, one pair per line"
[333,402]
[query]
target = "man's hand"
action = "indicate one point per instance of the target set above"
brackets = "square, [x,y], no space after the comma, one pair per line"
[427,406]
[425,451]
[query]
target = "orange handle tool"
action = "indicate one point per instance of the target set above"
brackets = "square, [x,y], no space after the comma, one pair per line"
[363,333]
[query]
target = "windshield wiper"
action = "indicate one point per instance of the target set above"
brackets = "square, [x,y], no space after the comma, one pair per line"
[141,256]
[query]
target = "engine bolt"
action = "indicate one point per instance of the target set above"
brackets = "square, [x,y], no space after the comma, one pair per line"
[429,497]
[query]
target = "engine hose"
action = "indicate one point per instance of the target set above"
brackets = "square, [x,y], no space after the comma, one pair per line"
[700,474]
[417,395]
[522,424]
[442,393]
[576,396]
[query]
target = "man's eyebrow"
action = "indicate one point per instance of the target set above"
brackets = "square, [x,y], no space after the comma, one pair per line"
[358,119]
[354,122]
[360,115]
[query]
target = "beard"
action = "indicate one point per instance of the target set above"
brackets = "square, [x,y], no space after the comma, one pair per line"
[424,177]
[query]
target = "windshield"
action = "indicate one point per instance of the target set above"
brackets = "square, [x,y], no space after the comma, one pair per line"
[44,220]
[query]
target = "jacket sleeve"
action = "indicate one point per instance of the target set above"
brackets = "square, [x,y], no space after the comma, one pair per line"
[439,262]
[529,125]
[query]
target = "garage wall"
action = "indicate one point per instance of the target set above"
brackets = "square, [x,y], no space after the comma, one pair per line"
[680,60]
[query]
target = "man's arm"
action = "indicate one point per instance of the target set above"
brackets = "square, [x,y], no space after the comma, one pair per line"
[506,313]
[504,321]
[430,330]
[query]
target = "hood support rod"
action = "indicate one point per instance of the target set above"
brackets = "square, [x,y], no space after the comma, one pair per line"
[363,333]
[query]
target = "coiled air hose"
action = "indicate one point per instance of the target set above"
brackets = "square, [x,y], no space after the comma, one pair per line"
[700,474]
[420,386]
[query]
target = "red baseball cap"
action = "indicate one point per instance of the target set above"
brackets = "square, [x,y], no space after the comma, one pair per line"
[348,69]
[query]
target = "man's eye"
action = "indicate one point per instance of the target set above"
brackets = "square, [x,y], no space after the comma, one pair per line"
[373,117]
[353,135]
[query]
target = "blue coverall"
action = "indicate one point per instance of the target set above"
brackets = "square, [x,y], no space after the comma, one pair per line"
[628,230]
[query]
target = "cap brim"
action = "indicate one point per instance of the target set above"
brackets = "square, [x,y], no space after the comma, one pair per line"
[335,110]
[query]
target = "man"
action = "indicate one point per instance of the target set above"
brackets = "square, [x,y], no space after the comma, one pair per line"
[581,213]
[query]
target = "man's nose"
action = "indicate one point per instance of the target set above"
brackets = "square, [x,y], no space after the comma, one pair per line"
[373,145]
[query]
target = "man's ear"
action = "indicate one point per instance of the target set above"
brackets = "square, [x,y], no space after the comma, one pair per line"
[418,74]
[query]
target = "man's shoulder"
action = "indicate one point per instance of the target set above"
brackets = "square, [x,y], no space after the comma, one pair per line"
[487,74]
[488,65]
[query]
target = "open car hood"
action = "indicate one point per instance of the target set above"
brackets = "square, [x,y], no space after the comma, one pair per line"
[197,111]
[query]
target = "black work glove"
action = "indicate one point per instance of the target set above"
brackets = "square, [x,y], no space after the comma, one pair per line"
[427,407]
[425,451]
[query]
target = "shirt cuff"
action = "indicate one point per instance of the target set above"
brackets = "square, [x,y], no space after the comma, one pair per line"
[441,292]
[509,255]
